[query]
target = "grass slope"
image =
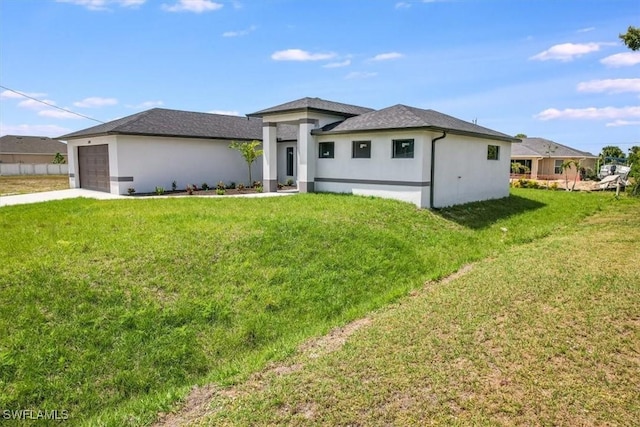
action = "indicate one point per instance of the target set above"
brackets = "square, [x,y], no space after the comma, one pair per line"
[112,310]
[546,333]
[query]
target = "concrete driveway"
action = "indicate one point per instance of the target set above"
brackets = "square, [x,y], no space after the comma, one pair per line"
[46,196]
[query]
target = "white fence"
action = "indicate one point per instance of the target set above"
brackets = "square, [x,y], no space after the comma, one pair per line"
[33,169]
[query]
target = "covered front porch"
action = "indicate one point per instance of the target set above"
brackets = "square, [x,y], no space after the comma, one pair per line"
[289,147]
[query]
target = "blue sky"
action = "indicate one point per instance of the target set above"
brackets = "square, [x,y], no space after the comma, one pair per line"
[549,68]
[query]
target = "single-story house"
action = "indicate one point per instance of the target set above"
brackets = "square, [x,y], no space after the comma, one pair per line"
[539,158]
[30,149]
[406,153]
[400,152]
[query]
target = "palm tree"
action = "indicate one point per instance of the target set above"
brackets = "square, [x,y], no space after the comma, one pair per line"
[566,165]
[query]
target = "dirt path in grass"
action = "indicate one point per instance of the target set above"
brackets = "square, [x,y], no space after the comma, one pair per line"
[197,403]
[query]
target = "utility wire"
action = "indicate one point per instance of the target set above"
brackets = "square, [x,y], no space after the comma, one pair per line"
[51,105]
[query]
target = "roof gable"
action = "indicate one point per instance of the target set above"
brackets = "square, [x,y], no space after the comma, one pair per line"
[541,147]
[176,123]
[314,104]
[22,144]
[405,117]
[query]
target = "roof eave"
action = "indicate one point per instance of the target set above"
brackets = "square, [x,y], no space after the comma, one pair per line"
[95,135]
[429,128]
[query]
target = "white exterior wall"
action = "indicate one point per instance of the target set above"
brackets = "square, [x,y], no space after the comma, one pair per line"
[388,177]
[292,118]
[464,174]
[144,162]
[159,161]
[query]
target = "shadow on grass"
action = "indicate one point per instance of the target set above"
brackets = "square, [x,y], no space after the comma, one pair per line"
[478,215]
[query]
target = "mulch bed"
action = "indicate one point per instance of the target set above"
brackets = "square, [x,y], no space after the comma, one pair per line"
[209,192]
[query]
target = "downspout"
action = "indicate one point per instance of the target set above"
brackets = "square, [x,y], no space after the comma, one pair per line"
[433,167]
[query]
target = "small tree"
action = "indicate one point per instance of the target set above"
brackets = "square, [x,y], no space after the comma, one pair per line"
[58,159]
[249,152]
[515,167]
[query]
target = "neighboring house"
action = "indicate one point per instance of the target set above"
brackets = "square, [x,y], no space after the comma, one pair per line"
[419,156]
[30,149]
[540,158]
[406,153]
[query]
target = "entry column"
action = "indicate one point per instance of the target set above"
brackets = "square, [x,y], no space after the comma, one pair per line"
[306,156]
[269,157]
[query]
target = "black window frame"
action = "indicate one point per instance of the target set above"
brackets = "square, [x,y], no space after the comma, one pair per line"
[493,154]
[332,150]
[402,154]
[359,152]
[290,157]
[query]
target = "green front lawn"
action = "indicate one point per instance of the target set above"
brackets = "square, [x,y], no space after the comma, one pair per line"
[112,310]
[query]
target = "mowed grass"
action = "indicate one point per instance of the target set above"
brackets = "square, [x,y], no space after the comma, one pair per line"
[112,310]
[23,184]
[546,333]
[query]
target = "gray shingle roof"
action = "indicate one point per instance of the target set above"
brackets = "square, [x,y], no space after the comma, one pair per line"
[405,117]
[165,122]
[314,104]
[18,144]
[540,147]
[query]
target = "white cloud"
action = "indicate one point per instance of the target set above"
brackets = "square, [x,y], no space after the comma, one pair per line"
[610,86]
[585,30]
[359,75]
[196,6]
[592,113]
[225,112]
[147,104]
[387,56]
[300,55]
[626,59]
[103,4]
[403,5]
[32,104]
[58,114]
[567,51]
[618,123]
[40,130]
[344,63]
[239,33]
[94,102]
[7,94]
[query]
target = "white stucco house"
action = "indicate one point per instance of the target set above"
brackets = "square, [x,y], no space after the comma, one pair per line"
[420,156]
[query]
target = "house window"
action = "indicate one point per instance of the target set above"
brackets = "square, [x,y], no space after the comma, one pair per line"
[493,152]
[558,167]
[326,150]
[403,148]
[290,157]
[361,150]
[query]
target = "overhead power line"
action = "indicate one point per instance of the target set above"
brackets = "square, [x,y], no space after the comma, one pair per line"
[50,105]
